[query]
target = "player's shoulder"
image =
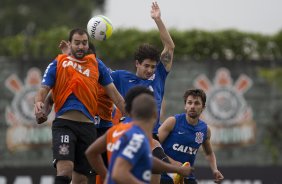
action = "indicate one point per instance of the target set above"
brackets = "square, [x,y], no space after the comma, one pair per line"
[122,72]
[123,126]
[179,117]
[61,56]
[135,135]
[52,66]
[53,63]
[202,123]
[119,127]
[124,75]
[59,59]
[100,63]
[134,129]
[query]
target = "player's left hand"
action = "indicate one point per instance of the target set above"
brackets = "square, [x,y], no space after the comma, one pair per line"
[39,114]
[185,171]
[218,177]
[41,119]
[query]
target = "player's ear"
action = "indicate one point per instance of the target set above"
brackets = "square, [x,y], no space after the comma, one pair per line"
[203,108]
[137,63]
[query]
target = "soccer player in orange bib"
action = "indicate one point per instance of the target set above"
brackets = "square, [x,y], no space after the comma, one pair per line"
[74,81]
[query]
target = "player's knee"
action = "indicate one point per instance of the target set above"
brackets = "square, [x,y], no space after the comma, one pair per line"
[62,180]
[64,168]
[79,178]
[160,154]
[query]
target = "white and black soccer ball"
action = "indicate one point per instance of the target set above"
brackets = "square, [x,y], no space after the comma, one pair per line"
[100,27]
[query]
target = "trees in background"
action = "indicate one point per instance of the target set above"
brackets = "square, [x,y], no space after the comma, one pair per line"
[29,16]
[194,44]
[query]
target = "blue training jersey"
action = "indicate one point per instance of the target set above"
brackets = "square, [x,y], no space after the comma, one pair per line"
[72,102]
[134,147]
[125,80]
[184,140]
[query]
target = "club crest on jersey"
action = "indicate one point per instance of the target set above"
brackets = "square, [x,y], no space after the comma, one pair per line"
[64,149]
[199,137]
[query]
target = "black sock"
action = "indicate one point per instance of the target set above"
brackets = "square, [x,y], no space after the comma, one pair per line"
[62,180]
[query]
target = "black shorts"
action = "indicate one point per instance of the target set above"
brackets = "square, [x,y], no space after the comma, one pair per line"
[70,141]
[102,131]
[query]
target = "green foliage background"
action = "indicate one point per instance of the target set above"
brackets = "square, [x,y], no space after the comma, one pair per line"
[32,16]
[195,44]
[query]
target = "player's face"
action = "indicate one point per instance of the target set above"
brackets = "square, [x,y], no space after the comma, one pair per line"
[146,69]
[194,106]
[79,46]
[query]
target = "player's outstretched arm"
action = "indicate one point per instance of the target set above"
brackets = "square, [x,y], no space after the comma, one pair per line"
[39,104]
[160,166]
[167,53]
[48,104]
[115,96]
[210,156]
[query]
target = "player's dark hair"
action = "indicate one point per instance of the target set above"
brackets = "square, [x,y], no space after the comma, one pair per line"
[78,31]
[196,93]
[144,107]
[146,51]
[132,94]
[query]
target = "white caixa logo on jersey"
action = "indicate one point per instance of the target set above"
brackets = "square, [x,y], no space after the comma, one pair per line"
[23,132]
[227,112]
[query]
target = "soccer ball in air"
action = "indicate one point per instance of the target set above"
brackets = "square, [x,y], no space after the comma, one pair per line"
[100,27]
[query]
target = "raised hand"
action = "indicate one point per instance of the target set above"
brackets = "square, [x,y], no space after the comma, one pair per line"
[64,46]
[155,11]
